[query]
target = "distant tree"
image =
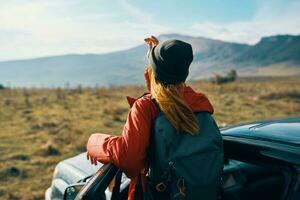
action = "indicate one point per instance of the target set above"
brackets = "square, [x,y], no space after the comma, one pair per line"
[231,76]
[2,87]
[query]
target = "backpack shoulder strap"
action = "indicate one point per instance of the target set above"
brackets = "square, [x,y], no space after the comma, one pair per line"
[156,104]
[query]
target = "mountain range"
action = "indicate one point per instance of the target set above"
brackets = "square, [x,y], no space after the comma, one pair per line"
[271,56]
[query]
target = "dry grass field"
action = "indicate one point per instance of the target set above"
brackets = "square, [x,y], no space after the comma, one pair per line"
[40,127]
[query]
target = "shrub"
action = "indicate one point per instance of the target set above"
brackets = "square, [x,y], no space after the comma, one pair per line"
[231,76]
[50,150]
[2,87]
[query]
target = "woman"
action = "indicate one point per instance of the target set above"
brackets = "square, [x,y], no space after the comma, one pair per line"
[168,94]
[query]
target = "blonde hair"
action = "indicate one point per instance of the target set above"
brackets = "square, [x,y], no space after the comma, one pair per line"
[171,103]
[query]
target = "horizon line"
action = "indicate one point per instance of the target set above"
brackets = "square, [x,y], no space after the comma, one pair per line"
[125,49]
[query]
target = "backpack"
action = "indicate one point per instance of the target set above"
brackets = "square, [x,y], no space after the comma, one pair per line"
[184,166]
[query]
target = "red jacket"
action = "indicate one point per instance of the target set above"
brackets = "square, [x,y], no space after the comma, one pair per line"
[128,151]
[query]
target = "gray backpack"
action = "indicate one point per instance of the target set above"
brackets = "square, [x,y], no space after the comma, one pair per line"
[185,166]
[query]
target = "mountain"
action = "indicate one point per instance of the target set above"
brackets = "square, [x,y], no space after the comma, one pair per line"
[274,55]
[274,49]
[89,69]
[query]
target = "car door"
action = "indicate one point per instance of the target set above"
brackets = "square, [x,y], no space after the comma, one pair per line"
[96,187]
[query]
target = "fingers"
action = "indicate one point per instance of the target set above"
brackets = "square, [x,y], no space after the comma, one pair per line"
[151,41]
[155,40]
[92,159]
[95,161]
[147,40]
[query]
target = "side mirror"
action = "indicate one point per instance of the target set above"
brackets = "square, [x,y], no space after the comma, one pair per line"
[72,190]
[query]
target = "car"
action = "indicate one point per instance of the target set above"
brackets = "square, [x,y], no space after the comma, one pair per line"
[262,161]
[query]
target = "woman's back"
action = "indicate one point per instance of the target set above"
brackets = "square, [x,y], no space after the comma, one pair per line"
[186,152]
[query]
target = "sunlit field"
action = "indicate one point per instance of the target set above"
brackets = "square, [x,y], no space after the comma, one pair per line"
[40,127]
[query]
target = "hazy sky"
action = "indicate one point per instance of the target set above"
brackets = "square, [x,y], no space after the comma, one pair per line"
[34,28]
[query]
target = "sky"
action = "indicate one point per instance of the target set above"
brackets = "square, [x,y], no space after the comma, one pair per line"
[37,28]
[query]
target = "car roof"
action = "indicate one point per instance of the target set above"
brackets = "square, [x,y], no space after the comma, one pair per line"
[284,130]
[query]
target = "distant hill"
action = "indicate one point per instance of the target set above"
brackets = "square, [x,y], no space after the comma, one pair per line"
[270,50]
[274,55]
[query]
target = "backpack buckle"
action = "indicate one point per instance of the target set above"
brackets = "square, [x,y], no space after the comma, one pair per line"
[181,188]
[160,187]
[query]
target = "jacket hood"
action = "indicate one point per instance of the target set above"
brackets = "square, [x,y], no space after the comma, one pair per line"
[197,101]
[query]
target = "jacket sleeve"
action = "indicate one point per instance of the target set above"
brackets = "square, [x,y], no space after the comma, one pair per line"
[127,151]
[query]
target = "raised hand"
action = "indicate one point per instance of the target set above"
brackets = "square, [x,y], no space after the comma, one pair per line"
[152,42]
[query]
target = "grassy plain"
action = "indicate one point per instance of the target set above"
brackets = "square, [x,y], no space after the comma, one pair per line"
[40,127]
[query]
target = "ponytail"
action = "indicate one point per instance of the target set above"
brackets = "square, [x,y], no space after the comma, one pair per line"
[171,103]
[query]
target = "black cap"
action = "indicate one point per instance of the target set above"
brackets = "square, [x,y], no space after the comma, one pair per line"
[171,60]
